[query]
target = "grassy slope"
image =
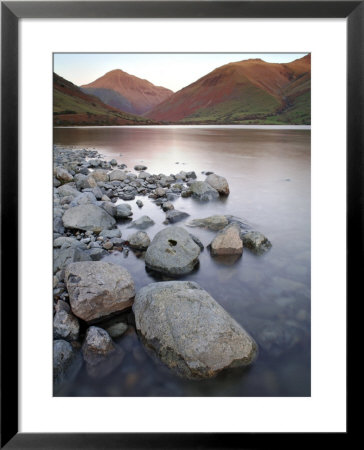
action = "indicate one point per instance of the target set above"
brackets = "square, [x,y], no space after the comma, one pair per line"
[73,107]
[249,92]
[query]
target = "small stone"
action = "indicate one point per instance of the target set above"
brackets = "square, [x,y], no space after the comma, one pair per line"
[139,240]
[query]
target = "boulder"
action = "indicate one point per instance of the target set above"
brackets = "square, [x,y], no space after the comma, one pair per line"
[203,191]
[227,241]
[139,240]
[97,289]
[84,181]
[142,223]
[256,241]
[172,252]
[189,331]
[63,175]
[173,216]
[65,190]
[100,175]
[88,218]
[65,325]
[219,183]
[123,211]
[118,175]
[214,223]
[68,254]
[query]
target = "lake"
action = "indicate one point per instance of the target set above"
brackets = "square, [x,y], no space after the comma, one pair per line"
[268,171]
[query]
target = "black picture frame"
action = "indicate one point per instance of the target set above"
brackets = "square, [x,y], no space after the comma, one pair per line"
[11,12]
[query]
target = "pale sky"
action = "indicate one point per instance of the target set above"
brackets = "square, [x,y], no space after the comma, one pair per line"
[171,70]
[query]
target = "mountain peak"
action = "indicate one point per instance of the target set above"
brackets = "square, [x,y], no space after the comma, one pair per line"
[118,86]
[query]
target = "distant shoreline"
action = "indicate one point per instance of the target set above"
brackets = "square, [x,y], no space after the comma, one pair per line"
[247,127]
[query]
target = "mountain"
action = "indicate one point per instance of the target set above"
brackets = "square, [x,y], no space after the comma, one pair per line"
[71,106]
[250,91]
[127,92]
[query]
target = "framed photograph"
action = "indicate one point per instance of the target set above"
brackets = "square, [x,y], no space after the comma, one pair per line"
[183,179]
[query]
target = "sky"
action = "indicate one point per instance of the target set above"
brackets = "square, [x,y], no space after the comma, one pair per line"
[171,70]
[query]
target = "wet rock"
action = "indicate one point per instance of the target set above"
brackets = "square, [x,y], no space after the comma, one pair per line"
[117,329]
[203,191]
[167,206]
[84,181]
[227,241]
[100,353]
[173,216]
[256,241]
[107,245]
[214,223]
[189,331]
[113,162]
[172,252]
[65,326]
[67,362]
[197,241]
[140,167]
[109,234]
[139,240]
[123,211]
[98,289]
[118,175]
[142,223]
[87,218]
[63,175]
[100,175]
[219,183]
[84,198]
[66,255]
[96,253]
[139,203]
[67,189]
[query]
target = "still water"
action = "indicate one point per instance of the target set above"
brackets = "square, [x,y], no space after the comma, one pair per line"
[268,170]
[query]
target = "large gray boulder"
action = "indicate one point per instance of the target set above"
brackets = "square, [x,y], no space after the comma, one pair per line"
[172,252]
[189,331]
[203,191]
[97,289]
[219,183]
[227,241]
[88,218]
[123,211]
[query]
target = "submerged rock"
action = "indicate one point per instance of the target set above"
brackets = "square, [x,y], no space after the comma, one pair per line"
[67,361]
[189,331]
[172,252]
[219,183]
[256,241]
[173,216]
[88,218]
[97,289]
[203,191]
[227,241]
[214,223]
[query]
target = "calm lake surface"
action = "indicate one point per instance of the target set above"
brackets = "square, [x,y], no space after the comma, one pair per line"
[268,170]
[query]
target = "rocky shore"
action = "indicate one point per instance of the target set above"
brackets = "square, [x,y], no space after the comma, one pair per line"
[95,302]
